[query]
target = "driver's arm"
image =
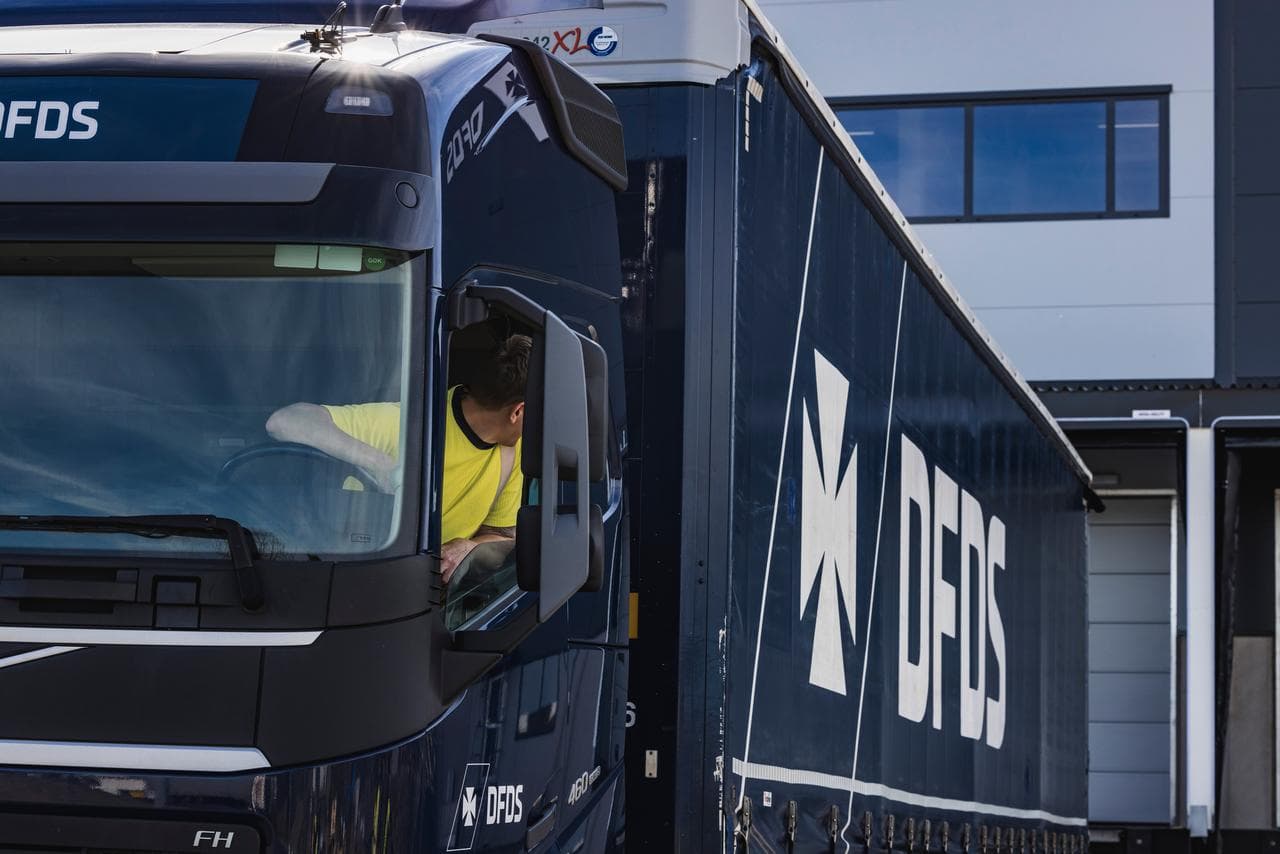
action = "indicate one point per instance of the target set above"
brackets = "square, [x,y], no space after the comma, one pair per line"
[489,534]
[455,552]
[310,424]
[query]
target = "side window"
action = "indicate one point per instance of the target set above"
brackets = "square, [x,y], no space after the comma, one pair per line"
[481,484]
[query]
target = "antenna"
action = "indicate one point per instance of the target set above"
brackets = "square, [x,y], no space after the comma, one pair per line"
[329,35]
[389,18]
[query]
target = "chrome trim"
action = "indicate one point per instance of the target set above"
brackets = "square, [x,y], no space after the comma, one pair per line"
[135,757]
[36,655]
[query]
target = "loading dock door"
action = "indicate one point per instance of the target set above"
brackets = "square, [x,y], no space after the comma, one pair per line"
[1132,562]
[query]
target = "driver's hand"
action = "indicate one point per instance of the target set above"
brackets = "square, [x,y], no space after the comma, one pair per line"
[389,479]
[453,553]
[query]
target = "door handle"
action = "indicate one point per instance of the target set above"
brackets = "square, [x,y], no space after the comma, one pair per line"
[540,828]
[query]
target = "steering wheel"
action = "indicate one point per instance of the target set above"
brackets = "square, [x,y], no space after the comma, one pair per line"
[290,449]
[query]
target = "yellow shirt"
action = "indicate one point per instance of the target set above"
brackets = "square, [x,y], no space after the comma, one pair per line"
[472,470]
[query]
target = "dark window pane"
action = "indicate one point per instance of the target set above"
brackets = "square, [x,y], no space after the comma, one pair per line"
[1137,155]
[918,153]
[1040,158]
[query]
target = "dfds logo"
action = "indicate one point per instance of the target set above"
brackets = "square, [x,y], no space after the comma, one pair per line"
[934,507]
[829,526]
[482,804]
[49,119]
[982,553]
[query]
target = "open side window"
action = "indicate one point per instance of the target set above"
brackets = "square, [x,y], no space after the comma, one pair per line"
[558,547]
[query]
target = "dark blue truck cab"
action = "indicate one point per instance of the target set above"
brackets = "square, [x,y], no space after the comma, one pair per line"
[800,562]
[218,645]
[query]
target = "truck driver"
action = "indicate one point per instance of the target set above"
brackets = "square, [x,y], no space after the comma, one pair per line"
[481,486]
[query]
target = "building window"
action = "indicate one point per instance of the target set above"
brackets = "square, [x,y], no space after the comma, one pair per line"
[918,154]
[1139,170]
[1024,156]
[1040,158]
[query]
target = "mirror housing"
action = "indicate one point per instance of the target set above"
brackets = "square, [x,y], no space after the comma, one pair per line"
[556,451]
[596,366]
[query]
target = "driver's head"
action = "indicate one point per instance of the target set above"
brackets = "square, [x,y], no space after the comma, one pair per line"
[498,386]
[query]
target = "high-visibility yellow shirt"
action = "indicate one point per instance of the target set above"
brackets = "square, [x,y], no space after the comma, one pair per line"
[472,468]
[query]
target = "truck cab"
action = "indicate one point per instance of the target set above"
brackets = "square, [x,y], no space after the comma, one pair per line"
[219,641]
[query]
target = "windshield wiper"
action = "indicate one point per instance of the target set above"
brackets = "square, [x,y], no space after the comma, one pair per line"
[239,539]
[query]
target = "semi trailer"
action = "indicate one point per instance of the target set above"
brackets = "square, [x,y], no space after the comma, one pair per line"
[801,561]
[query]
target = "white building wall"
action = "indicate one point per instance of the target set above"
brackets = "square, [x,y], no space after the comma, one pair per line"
[1078,299]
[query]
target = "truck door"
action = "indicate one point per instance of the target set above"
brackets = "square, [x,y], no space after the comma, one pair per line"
[510,775]
[520,212]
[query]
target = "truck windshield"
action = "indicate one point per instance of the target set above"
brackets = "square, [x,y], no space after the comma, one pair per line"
[140,379]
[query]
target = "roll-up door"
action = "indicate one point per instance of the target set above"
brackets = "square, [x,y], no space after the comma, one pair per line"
[1131,560]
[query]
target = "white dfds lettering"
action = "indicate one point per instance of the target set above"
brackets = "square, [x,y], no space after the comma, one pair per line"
[502,804]
[982,551]
[215,838]
[80,113]
[48,119]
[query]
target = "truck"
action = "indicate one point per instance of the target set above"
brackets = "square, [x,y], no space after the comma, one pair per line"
[800,564]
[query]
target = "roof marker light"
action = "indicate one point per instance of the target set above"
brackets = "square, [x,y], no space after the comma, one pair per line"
[358,101]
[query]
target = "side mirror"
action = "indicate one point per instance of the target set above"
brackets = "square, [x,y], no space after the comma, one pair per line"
[596,366]
[553,537]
